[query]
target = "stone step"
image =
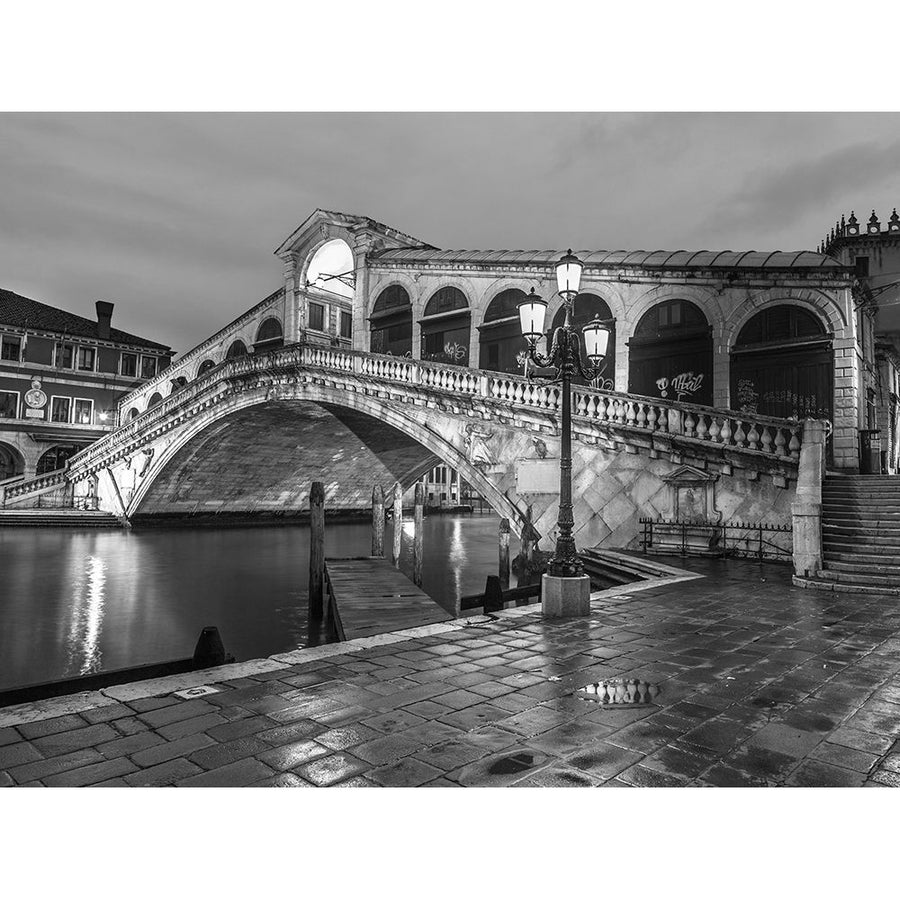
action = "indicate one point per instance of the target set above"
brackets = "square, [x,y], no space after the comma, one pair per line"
[888,581]
[866,521]
[858,550]
[826,584]
[70,518]
[864,531]
[884,496]
[855,557]
[862,568]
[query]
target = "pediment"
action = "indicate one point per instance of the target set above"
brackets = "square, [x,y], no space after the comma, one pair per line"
[689,475]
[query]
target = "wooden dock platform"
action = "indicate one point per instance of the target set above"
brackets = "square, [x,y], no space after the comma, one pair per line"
[367,595]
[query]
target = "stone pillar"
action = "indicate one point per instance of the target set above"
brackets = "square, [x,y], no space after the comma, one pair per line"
[848,404]
[806,510]
[360,326]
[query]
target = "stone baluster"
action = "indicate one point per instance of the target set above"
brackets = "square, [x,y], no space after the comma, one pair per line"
[714,429]
[629,413]
[794,445]
[779,442]
[651,418]
[753,437]
[662,420]
[702,427]
[620,412]
[725,432]
[766,439]
[641,418]
[740,436]
[689,424]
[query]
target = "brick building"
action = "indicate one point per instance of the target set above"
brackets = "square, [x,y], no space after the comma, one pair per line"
[61,376]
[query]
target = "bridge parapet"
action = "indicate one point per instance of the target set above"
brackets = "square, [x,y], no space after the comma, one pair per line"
[775,443]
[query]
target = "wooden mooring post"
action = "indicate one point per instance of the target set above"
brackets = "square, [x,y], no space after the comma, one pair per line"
[419,536]
[316,550]
[377,521]
[398,523]
[504,554]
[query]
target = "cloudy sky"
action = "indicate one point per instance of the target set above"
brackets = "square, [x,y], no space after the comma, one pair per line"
[174,217]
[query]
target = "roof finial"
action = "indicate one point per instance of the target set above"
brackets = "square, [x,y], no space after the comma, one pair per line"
[852,224]
[874,224]
[843,225]
[894,221]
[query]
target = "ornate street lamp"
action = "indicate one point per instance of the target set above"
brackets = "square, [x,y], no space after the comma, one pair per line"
[566,589]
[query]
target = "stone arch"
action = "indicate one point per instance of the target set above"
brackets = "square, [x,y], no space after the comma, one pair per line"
[310,267]
[370,406]
[815,302]
[707,299]
[155,398]
[236,349]
[269,335]
[133,413]
[55,458]
[388,326]
[204,367]
[12,463]
[445,326]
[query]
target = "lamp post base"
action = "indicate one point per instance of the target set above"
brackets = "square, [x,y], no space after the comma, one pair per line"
[565,597]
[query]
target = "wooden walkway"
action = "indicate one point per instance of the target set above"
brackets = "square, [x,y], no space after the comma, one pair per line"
[367,596]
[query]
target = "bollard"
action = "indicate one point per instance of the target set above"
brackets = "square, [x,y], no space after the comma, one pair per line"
[398,522]
[504,554]
[316,550]
[377,521]
[493,595]
[418,537]
[210,651]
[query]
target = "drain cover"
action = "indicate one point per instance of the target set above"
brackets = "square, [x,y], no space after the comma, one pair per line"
[620,692]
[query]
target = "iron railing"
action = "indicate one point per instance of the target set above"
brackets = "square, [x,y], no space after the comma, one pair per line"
[742,539]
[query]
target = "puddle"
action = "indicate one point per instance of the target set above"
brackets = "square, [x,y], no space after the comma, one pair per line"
[620,692]
[512,765]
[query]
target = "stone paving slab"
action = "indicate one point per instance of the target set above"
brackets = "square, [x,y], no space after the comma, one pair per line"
[761,683]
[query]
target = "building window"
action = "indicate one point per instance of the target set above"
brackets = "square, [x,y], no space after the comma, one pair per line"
[346,325]
[316,317]
[60,409]
[11,349]
[9,405]
[148,366]
[128,365]
[87,356]
[84,412]
[133,413]
[65,358]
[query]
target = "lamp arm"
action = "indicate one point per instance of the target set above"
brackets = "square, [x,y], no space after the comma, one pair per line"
[551,360]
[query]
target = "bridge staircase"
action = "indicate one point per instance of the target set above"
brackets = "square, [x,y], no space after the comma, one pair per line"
[860,535]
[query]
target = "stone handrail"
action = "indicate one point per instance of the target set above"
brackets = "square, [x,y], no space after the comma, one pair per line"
[34,485]
[779,439]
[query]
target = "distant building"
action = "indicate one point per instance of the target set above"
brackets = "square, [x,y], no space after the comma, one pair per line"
[61,376]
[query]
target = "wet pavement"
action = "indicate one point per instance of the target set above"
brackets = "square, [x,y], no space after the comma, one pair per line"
[761,683]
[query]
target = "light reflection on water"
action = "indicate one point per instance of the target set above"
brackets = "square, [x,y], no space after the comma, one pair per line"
[77,602]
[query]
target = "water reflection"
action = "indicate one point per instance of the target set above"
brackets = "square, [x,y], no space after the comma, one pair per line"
[74,603]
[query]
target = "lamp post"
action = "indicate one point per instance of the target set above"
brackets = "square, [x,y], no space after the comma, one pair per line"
[566,589]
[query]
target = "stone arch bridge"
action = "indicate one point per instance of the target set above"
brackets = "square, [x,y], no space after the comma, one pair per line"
[252,433]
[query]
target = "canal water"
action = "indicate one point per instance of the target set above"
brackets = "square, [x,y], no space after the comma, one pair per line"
[77,602]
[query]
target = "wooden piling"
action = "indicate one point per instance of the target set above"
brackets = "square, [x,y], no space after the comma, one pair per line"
[398,522]
[377,521]
[419,537]
[504,554]
[493,595]
[316,550]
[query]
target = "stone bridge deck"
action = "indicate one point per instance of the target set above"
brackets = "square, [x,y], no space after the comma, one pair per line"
[761,684]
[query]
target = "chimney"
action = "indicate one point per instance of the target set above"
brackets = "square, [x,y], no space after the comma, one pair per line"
[104,316]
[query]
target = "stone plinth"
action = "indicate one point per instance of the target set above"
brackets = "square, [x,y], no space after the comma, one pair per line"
[564,597]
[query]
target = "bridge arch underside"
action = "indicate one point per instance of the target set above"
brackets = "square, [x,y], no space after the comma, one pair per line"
[263,458]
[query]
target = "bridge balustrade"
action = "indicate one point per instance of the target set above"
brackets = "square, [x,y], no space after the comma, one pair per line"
[771,437]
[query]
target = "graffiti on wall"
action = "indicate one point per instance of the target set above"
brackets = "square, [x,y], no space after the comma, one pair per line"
[683,385]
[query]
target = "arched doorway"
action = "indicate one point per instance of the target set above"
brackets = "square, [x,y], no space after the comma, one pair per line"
[236,350]
[671,354]
[11,462]
[586,308]
[133,413]
[445,327]
[156,398]
[501,345]
[391,322]
[56,458]
[270,336]
[782,365]
[205,366]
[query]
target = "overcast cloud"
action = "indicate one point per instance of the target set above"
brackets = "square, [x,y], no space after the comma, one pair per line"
[174,217]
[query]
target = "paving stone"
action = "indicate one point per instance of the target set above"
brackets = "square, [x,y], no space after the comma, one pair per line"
[785,739]
[176,712]
[501,769]
[861,740]
[816,773]
[9,735]
[569,737]
[556,777]
[238,774]
[474,716]
[91,774]
[166,773]
[603,760]
[685,761]
[535,721]
[428,709]
[18,754]
[347,736]
[452,754]
[171,750]
[194,725]
[129,726]
[283,780]
[125,746]
[641,776]
[107,713]
[359,781]
[215,756]
[886,777]
[761,762]
[291,756]
[39,769]
[231,731]
[330,770]
[146,704]
[718,734]
[406,773]
[387,749]
[44,727]
[393,722]
[287,734]
[76,739]
[846,757]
